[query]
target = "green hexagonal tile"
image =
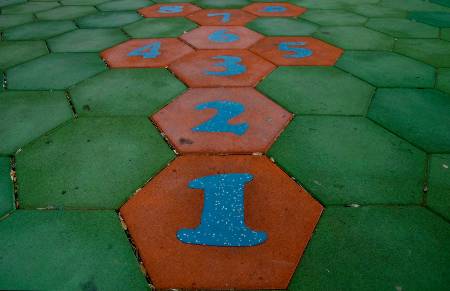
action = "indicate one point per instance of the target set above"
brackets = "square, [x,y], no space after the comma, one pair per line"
[87,40]
[159,27]
[90,163]
[16,52]
[331,4]
[173,1]
[421,116]
[386,69]
[442,2]
[5,3]
[438,196]
[38,30]
[54,71]
[317,90]
[334,17]
[126,92]
[108,19]
[431,51]
[66,13]
[403,28]
[26,115]
[355,38]
[67,250]
[445,34]
[222,4]
[371,10]
[14,20]
[83,2]
[439,19]
[344,160]
[277,26]
[413,5]
[6,187]
[30,7]
[376,248]
[443,80]
[121,5]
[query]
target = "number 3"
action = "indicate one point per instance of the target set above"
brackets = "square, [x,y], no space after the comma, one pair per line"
[231,65]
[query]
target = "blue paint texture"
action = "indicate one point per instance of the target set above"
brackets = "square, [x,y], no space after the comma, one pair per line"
[226,110]
[222,223]
[273,9]
[149,51]
[225,16]
[170,9]
[223,36]
[231,65]
[298,52]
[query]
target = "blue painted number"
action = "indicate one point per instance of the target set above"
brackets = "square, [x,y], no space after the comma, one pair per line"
[274,9]
[149,51]
[222,222]
[225,16]
[226,110]
[297,51]
[231,65]
[170,9]
[223,35]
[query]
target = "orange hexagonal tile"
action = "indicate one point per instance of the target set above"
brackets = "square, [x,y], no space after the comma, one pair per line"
[168,10]
[218,17]
[183,223]
[297,51]
[222,120]
[145,53]
[275,9]
[221,68]
[219,37]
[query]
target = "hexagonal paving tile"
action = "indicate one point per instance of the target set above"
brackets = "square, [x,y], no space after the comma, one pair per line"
[219,37]
[274,9]
[216,17]
[126,92]
[26,115]
[30,7]
[5,3]
[87,40]
[430,110]
[438,196]
[413,5]
[123,5]
[108,19]
[193,122]
[445,34]
[38,30]
[91,245]
[334,17]
[146,53]
[431,51]
[72,167]
[220,4]
[221,68]
[441,2]
[282,26]
[350,160]
[54,71]
[371,10]
[386,69]
[274,205]
[409,249]
[6,187]
[317,90]
[14,20]
[403,28]
[82,2]
[443,80]
[439,19]
[66,12]
[16,52]
[159,27]
[168,10]
[355,38]
[297,51]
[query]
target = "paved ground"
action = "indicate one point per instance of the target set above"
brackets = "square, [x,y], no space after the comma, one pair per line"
[225,145]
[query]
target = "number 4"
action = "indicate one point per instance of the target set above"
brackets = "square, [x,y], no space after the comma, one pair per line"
[149,51]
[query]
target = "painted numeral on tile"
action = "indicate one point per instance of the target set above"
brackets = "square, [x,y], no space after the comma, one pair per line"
[231,64]
[223,35]
[226,110]
[225,16]
[170,9]
[222,222]
[149,51]
[298,52]
[274,9]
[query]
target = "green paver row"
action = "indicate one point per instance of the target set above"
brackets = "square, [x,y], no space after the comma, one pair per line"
[6,186]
